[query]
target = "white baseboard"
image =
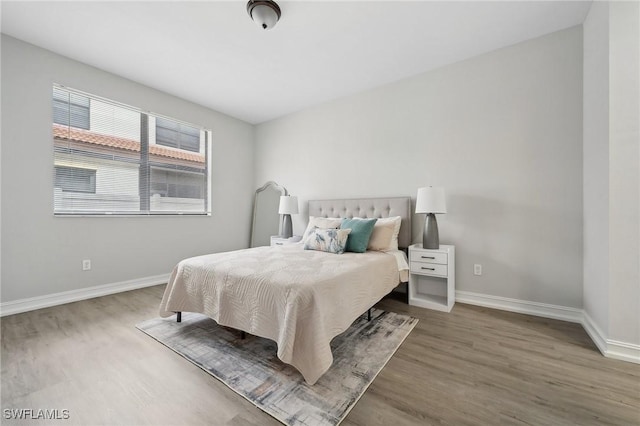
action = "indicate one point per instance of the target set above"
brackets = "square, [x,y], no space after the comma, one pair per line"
[39,302]
[595,333]
[521,306]
[609,348]
[623,351]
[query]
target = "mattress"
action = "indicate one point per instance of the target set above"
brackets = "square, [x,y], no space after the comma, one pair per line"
[299,298]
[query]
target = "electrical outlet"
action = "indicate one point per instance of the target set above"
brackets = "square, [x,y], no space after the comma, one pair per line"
[477,269]
[86,265]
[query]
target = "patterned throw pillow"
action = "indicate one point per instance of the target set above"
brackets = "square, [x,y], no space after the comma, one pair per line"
[329,240]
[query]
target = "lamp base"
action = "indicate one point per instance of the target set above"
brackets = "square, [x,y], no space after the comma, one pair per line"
[287,226]
[430,237]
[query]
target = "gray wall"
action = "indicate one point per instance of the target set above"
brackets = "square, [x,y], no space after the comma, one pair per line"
[596,164]
[42,254]
[612,170]
[502,132]
[624,168]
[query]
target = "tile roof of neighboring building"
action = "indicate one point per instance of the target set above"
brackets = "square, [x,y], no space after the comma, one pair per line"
[81,135]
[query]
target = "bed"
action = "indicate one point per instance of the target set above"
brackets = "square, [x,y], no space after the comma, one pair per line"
[301,299]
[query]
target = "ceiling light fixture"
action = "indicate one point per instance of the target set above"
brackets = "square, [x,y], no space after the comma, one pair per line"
[265,13]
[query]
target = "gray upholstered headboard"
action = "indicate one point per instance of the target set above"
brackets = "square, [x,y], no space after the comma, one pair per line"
[368,208]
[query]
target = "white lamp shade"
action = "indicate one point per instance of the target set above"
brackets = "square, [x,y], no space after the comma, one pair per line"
[264,16]
[431,200]
[288,205]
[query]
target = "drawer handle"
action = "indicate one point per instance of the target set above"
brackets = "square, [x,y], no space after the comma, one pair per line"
[428,257]
[279,244]
[430,269]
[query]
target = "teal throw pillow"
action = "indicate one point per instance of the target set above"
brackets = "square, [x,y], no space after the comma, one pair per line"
[361,230]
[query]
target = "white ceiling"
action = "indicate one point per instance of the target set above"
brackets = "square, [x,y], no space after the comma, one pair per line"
[211,53]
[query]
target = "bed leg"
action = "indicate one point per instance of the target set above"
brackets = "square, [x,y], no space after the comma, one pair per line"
[242,334]
[369,315]
[178,316]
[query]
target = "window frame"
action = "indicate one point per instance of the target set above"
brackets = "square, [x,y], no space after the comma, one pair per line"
[146,162]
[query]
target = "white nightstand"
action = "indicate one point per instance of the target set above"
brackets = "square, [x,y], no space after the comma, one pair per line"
[277,240]
[432,279]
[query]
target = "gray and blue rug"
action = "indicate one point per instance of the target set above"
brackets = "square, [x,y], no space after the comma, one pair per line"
[251,368]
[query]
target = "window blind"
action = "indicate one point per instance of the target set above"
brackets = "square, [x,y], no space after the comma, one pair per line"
[111,158]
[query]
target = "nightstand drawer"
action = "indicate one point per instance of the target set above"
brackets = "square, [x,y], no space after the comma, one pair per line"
[428,269]
[277,240]
[427,256]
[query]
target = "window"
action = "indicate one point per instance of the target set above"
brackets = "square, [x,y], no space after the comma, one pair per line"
[177,135]
[169,183]
[110,158]
[73,179]
[70,109]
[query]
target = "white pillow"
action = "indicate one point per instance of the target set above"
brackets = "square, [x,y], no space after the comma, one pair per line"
[322,223]
[385,234]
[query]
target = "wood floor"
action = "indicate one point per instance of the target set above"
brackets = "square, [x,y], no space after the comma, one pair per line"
[473,366]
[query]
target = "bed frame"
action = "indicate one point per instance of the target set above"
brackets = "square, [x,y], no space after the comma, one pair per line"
[362,207]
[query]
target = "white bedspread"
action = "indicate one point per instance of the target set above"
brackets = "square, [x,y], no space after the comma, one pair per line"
[299,298]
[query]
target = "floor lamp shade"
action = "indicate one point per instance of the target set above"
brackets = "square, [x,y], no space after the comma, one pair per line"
[431,200]
[288,206]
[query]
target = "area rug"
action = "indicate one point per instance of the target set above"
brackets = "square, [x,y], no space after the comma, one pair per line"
[251,368]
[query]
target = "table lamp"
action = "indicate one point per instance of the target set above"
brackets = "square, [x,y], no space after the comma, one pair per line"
[288,206]
[430,200]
